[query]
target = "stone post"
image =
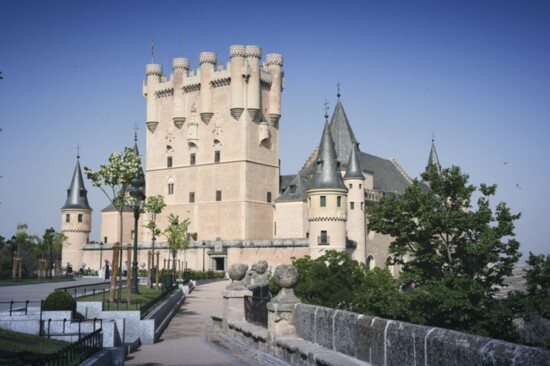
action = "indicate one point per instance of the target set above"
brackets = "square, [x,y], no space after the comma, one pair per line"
[233,295]
[280,310]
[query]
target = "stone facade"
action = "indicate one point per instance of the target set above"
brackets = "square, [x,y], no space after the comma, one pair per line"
[212,152]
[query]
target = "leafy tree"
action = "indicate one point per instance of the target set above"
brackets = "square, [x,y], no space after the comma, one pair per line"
[115,180]
[153,206]
[25,246]
[335,280]
[538,285]
[176,236]
[50,246]
[458,255]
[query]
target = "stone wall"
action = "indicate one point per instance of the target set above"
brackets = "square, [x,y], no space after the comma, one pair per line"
[388,342]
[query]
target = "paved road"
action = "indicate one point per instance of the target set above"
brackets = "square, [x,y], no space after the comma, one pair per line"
[37,292]
[183,341]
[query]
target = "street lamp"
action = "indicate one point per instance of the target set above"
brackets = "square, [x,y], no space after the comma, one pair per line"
[153,239]
[174,223]
[203,248]
[137,193]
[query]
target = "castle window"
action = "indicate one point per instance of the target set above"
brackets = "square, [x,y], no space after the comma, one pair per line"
[192,159]
[339,201]
[82,192]
[292,189]
[324,238]
[217,156]
[338,166]
[218,195]
[79,217]
[105,239]
[352,205]
[319,165]
[350,186]
[170,188]
[309,202]
[269,197]
[360,186]
[362,206]
[191,197]
[169,161]
[323,201]
[67,218]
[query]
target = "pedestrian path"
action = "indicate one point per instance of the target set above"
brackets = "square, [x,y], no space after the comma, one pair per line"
[183,342]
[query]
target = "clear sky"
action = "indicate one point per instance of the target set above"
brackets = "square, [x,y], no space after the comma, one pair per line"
[476,74]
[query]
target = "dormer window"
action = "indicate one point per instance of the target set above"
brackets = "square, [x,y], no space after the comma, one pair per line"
[319,165]
[292,189]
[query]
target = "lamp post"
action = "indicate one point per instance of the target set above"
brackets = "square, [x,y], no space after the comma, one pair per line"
[203,248]
[153,239]
[174,223]
[137,193]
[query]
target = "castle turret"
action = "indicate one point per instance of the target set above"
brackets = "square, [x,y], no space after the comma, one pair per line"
[153,76]
[253,56]
[274,63]
[237,54]
[180,66]
[327,206]
[76,219]
[356,225]
[207,62]
[433,159]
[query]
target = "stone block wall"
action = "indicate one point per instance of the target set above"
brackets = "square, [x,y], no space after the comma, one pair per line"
[388,342]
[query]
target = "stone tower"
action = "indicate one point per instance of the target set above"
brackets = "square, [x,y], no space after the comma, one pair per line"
[326,199]
[212,147]
[356,224]
[76,219]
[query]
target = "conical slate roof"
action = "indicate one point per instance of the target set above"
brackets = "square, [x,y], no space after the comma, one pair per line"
[77,196]
[327,174]
[354,165]
[342,133]
[433,159]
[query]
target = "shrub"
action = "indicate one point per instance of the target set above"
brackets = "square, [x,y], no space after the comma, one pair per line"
[59,300]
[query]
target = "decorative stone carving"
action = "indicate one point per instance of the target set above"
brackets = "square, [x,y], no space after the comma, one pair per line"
[152,126]
[236,112]
[264,133]
[258,276]
[206,117]
[286,276]
[192,139]
[237,272]
[178,121]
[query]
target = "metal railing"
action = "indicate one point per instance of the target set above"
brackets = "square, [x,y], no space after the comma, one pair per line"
[87,290]
[78,351]
[13,307]
[255,310]
[46,327]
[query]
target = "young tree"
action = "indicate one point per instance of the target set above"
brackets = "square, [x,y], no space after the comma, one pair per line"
[176,236]
[457,255]
[26,249]
[153,206]
[115,180]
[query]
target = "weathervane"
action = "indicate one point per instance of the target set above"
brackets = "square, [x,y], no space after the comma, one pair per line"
[338,86]
[326,108]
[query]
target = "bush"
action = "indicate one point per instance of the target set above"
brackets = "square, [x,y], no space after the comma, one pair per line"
[59,300]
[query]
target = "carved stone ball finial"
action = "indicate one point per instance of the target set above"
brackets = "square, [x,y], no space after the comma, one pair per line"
[153,69]
[260,267]
[286,276]
[237,272]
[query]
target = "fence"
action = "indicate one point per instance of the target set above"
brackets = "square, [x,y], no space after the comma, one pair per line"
[146,308]
[12,307]
[46,327]
[255,310]
[78,351]
[86,290]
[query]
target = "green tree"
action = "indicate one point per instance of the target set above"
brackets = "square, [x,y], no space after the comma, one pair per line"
[456,256]
[176,237]
[537,278]
[153,206]
[335,280]
[115,180]
[26,248]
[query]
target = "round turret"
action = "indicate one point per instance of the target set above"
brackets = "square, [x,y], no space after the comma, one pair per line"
[237,54]
[237,50]
[208,58]
[253,55]
[153,69]
[274,59]
[180,63]
[274,63]
[254,51]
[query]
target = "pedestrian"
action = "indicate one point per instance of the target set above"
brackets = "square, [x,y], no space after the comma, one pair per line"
[106,269]
[125,269]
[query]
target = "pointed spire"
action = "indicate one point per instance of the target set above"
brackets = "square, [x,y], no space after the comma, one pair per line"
[77,195]
[341,132]
[327,174]
[354,167]
[433,159]
[136,150]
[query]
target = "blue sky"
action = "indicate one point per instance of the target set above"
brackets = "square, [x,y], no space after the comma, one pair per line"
[476,74]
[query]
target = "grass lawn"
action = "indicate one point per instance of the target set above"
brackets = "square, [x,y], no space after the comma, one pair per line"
[145,295]
[17,346]
[23,281]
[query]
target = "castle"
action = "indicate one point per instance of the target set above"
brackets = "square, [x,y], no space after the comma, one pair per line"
[212,152]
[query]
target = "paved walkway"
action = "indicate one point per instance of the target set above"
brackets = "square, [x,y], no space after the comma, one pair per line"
[183,342]
[37,292]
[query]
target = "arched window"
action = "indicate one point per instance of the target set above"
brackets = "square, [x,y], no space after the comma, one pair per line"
[370,262]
